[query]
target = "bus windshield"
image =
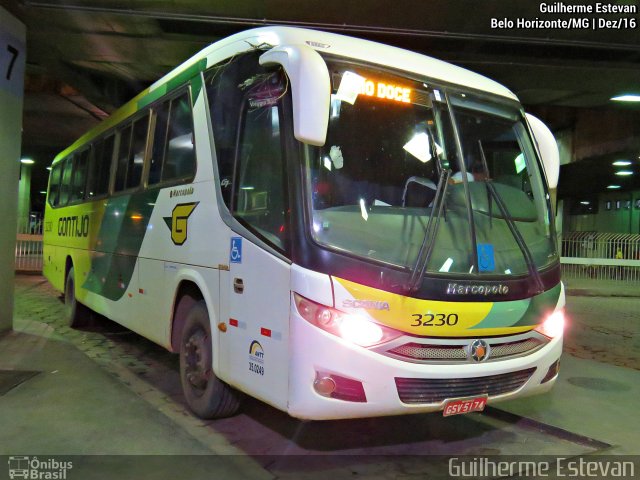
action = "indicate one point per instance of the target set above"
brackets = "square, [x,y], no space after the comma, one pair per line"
[373,184]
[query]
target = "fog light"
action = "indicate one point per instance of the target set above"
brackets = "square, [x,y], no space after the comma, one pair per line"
[325,386]
[338,387]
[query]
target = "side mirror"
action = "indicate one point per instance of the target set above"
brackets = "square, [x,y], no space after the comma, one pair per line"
[548,149]
[310,89]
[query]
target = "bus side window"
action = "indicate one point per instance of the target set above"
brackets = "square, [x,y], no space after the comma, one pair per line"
[122,159]
[173,156]
[159,143]
[54,184]
[260,185]
[100,167]
[65,183]
[79,181]
[225,101]
[180,159]
[138,148]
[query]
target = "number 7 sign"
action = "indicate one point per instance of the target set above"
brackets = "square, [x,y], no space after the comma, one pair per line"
[12,63]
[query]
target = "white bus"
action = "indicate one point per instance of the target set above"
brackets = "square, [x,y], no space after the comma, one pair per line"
[336,227]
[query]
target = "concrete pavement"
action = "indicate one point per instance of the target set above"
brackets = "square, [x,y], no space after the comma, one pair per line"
[108,391]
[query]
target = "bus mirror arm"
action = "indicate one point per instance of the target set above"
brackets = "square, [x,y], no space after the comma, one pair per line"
[310,89]
[547,147]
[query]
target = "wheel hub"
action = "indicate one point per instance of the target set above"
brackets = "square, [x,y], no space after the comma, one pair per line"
[197,369]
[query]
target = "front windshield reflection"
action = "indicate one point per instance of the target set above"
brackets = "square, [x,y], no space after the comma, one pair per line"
[373,184]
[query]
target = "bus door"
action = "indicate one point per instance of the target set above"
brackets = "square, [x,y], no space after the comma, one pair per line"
[255,290]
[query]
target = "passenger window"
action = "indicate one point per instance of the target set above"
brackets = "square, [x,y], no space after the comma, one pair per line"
[65,184]
[180,159]
[54,184]
[133,144]
[138,147]
[101,167]
[173,156]
[159,142]
[260,195]
[123,159]
[79,181]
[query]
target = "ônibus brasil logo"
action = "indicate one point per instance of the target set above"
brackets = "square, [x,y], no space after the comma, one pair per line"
[33,468]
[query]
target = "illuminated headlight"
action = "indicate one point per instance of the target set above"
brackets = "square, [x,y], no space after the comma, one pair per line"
[553,325]
[360,331]
[353,328]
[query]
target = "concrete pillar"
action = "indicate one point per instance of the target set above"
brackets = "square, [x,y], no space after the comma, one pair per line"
[24,198]
[12,64]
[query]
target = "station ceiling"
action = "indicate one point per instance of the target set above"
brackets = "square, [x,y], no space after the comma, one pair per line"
[87,57]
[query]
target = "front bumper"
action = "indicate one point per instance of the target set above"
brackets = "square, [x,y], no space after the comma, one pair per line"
[313,351]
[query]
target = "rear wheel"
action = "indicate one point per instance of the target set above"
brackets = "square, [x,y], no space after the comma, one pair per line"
[206,395]
[76,313]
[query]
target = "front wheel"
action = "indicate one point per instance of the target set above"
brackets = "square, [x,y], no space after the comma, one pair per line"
[206,395]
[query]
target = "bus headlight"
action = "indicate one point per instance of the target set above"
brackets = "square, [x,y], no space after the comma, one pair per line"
[352,328]
[553,325]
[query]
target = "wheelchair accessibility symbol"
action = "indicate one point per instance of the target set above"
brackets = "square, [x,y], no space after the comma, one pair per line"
[235,253]
[486,258]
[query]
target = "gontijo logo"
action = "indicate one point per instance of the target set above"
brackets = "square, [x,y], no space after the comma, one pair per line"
[177,222]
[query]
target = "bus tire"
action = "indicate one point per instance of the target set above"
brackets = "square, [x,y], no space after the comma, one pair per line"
[76,313]
[207,396]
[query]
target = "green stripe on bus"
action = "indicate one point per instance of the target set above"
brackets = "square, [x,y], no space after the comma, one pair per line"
[540,306]
[177,81]
[521,313]
[122,231]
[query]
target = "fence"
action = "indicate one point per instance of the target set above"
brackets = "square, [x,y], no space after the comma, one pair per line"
[601,256]
[29,246]
[585,255]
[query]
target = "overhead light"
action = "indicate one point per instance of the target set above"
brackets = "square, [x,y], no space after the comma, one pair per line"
[613,187]
[624,173]
[49,168]
[43,192]
[26,161]
[621,163]
[585,203]
[626,98]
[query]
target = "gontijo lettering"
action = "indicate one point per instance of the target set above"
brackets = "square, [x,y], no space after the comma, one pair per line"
[73,226]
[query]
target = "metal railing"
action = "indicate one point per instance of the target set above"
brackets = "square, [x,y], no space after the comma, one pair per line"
[601,256]
[29,246]
[585,255]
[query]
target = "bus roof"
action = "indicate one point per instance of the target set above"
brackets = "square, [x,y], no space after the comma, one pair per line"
[330,43]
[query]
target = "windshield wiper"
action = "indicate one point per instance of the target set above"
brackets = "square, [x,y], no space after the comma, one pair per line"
[492,192]
[428,241]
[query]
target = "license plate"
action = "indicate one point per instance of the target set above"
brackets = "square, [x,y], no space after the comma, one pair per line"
[458,406]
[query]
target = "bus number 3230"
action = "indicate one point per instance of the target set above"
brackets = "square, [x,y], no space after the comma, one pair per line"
[434,319]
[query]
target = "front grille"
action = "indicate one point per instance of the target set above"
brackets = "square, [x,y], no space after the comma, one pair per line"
[436,390]
[420,351]
[510,349]
[429,352]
